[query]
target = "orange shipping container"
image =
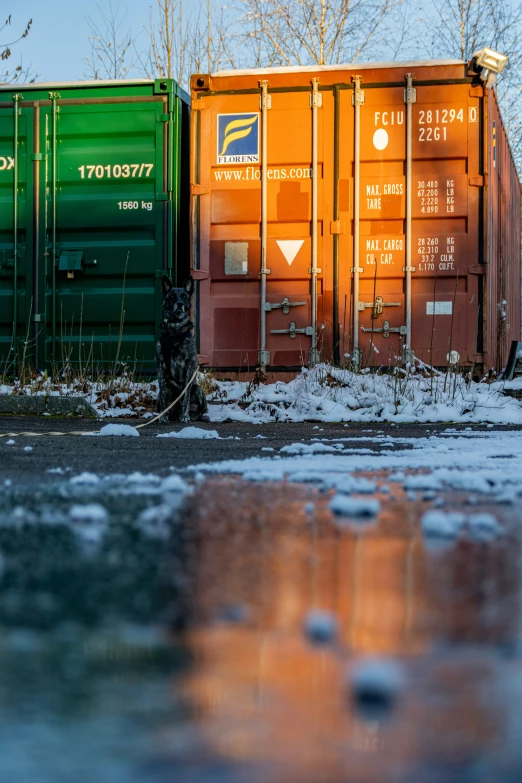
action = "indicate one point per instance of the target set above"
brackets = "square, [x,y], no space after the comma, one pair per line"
[347,213]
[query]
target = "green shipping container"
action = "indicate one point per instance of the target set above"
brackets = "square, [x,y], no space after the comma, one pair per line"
[93,211]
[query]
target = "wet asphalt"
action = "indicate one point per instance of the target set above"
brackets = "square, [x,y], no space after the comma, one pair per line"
[237,633]
[148,453]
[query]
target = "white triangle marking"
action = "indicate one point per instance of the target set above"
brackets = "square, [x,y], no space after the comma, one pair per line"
[290,248]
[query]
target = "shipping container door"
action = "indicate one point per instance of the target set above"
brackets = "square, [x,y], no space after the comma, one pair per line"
[380,306]
[103,229]
[445,227]
[289,236]
[445,186]
[16,133]
[230,228]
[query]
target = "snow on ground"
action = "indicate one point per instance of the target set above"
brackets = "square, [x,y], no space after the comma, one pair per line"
[492,466]
[330,394]
[193,433]
[110,398]
[116,429]
[324,393]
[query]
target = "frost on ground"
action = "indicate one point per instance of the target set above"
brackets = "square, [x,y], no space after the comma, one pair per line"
[325,393]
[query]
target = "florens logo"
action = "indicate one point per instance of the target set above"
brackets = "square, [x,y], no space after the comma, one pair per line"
[238,138]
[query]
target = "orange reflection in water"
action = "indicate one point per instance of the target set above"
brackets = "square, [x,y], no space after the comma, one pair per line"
[264,696]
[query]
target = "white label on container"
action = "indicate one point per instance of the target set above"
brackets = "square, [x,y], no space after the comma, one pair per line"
[439,308]
[236,258]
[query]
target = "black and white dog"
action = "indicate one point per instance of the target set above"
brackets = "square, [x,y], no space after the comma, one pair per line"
[176,357]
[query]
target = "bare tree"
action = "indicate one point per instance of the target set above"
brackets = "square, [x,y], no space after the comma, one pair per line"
[16,73]
[458,28]
[186,37]
[111,46]
[320,32]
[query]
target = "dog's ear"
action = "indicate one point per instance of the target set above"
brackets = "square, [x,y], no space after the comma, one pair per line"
[166,285]
[188,285]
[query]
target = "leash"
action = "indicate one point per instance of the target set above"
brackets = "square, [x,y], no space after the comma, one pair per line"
[86,432]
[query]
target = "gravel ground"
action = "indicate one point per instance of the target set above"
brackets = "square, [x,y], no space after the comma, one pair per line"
[151,454]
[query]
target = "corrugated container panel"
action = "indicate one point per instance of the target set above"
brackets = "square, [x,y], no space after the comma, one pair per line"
[90,185]
[372,240]
[502,278]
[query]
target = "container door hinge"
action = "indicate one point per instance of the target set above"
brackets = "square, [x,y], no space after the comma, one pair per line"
[293,331]
[200,105]
[337,227]
[410,95]
[263,358]
[165,117]
[203,359]
[199,274]
[38,156]
[377,306]
[476,92]
[477,182]
[162,196]
[265,101]
[284,305]
[386,329]
[477,269]
[199,190]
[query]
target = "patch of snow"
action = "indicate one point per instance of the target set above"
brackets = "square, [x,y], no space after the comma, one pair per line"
[422,481]
[354,508]
[376,683]
[174,484]
[440,524]
[483,526]
[309,448]
[332,394]
[28,448]
[88,512]
[10,442]
[192,433]
[320,627]
[117,429]
[84,478]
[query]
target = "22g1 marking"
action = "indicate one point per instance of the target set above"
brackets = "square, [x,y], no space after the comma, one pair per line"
[116,170]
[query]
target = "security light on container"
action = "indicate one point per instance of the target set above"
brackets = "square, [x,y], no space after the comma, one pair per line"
[492,63]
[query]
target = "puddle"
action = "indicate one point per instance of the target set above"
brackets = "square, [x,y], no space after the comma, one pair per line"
[184,649]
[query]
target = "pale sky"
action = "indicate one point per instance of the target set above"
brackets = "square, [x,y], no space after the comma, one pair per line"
[59,39]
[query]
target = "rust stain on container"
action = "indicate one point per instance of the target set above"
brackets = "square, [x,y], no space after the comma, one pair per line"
[461,252]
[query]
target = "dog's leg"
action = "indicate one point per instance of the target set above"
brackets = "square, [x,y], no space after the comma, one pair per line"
[164,397]
[198,404]
[190,368]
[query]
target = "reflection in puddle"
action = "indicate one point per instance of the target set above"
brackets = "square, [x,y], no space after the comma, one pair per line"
[251,637]
[267,696]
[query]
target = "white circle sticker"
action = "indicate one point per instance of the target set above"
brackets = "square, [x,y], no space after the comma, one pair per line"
[380,139]
[453,357]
